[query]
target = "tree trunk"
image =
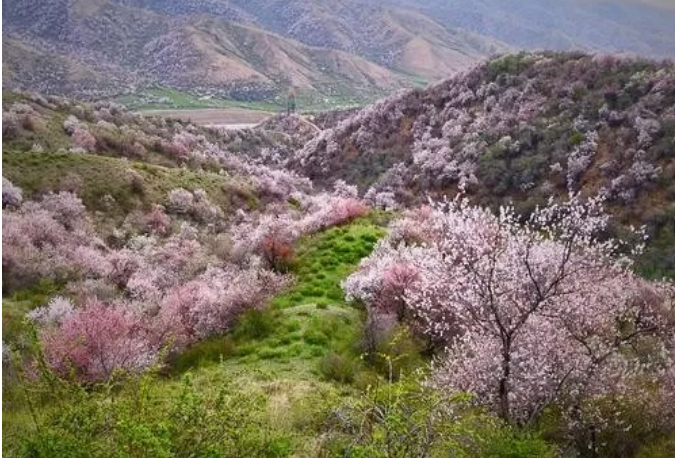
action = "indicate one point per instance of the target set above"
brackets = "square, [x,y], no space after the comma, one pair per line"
[504,407]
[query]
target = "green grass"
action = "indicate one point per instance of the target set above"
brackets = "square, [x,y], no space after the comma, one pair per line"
[306,102]
[307,321]
[183,100]
[49,134]
[100,175]
[324,260]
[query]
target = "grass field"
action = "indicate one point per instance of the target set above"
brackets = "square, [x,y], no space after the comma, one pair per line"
[101,176]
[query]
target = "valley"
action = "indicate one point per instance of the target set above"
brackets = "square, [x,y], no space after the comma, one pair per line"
[460,243]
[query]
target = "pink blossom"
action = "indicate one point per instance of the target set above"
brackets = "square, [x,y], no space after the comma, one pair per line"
[97,341]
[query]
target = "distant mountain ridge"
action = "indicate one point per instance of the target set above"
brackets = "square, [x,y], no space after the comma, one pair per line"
[643,27]
[245,50]
[341,49]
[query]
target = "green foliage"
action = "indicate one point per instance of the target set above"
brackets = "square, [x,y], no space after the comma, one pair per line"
[576,138]
[409,419]
[509,64]
[14,308]
[142,421]
[339,368]
[396,354]
[507,442]
[664,448]
[209,351]
[256,324]
[323,260]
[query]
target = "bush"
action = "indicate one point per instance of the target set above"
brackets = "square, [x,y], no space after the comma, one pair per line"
[209,351]
[226,422]
[409,419]
[97,341]
[256,325]
[12,196]
[338,367]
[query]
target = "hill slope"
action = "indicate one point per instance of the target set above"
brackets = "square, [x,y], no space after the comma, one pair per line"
[520,129]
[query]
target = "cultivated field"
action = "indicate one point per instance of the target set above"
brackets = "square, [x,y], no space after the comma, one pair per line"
[214,116]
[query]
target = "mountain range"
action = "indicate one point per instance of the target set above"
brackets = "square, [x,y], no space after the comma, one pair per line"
[247,51]
[260,49]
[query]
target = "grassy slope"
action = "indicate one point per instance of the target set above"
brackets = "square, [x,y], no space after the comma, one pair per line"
[307,321]
[100,175]
[275,354]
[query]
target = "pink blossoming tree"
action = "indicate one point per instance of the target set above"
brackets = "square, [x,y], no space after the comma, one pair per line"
[532,315]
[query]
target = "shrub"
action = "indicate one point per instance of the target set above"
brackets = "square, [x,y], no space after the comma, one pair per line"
[227,422]
[11,125]
[55,313]
[410,419]
[12,196]
[83,139]
[136,182]
[340,368]
[97,341]
[256,325]
[156,221]
[277,253]
[30,122]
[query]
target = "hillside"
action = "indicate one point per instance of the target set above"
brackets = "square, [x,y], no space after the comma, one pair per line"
[519,128]
[175,290]
[402,39]
[228,51]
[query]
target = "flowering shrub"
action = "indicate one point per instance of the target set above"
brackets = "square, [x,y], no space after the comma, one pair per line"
[277,252]
[195,204]
[98,340]
[532,315]
[58,310]
[156,221]
[12,196]
[329,210]
[347,191]
[83,139]
[11,125]
[40,239]
[209,304]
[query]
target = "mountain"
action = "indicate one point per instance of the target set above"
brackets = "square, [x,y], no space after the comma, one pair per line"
[519,129]
[349,50]
[644,27]
[242,50]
